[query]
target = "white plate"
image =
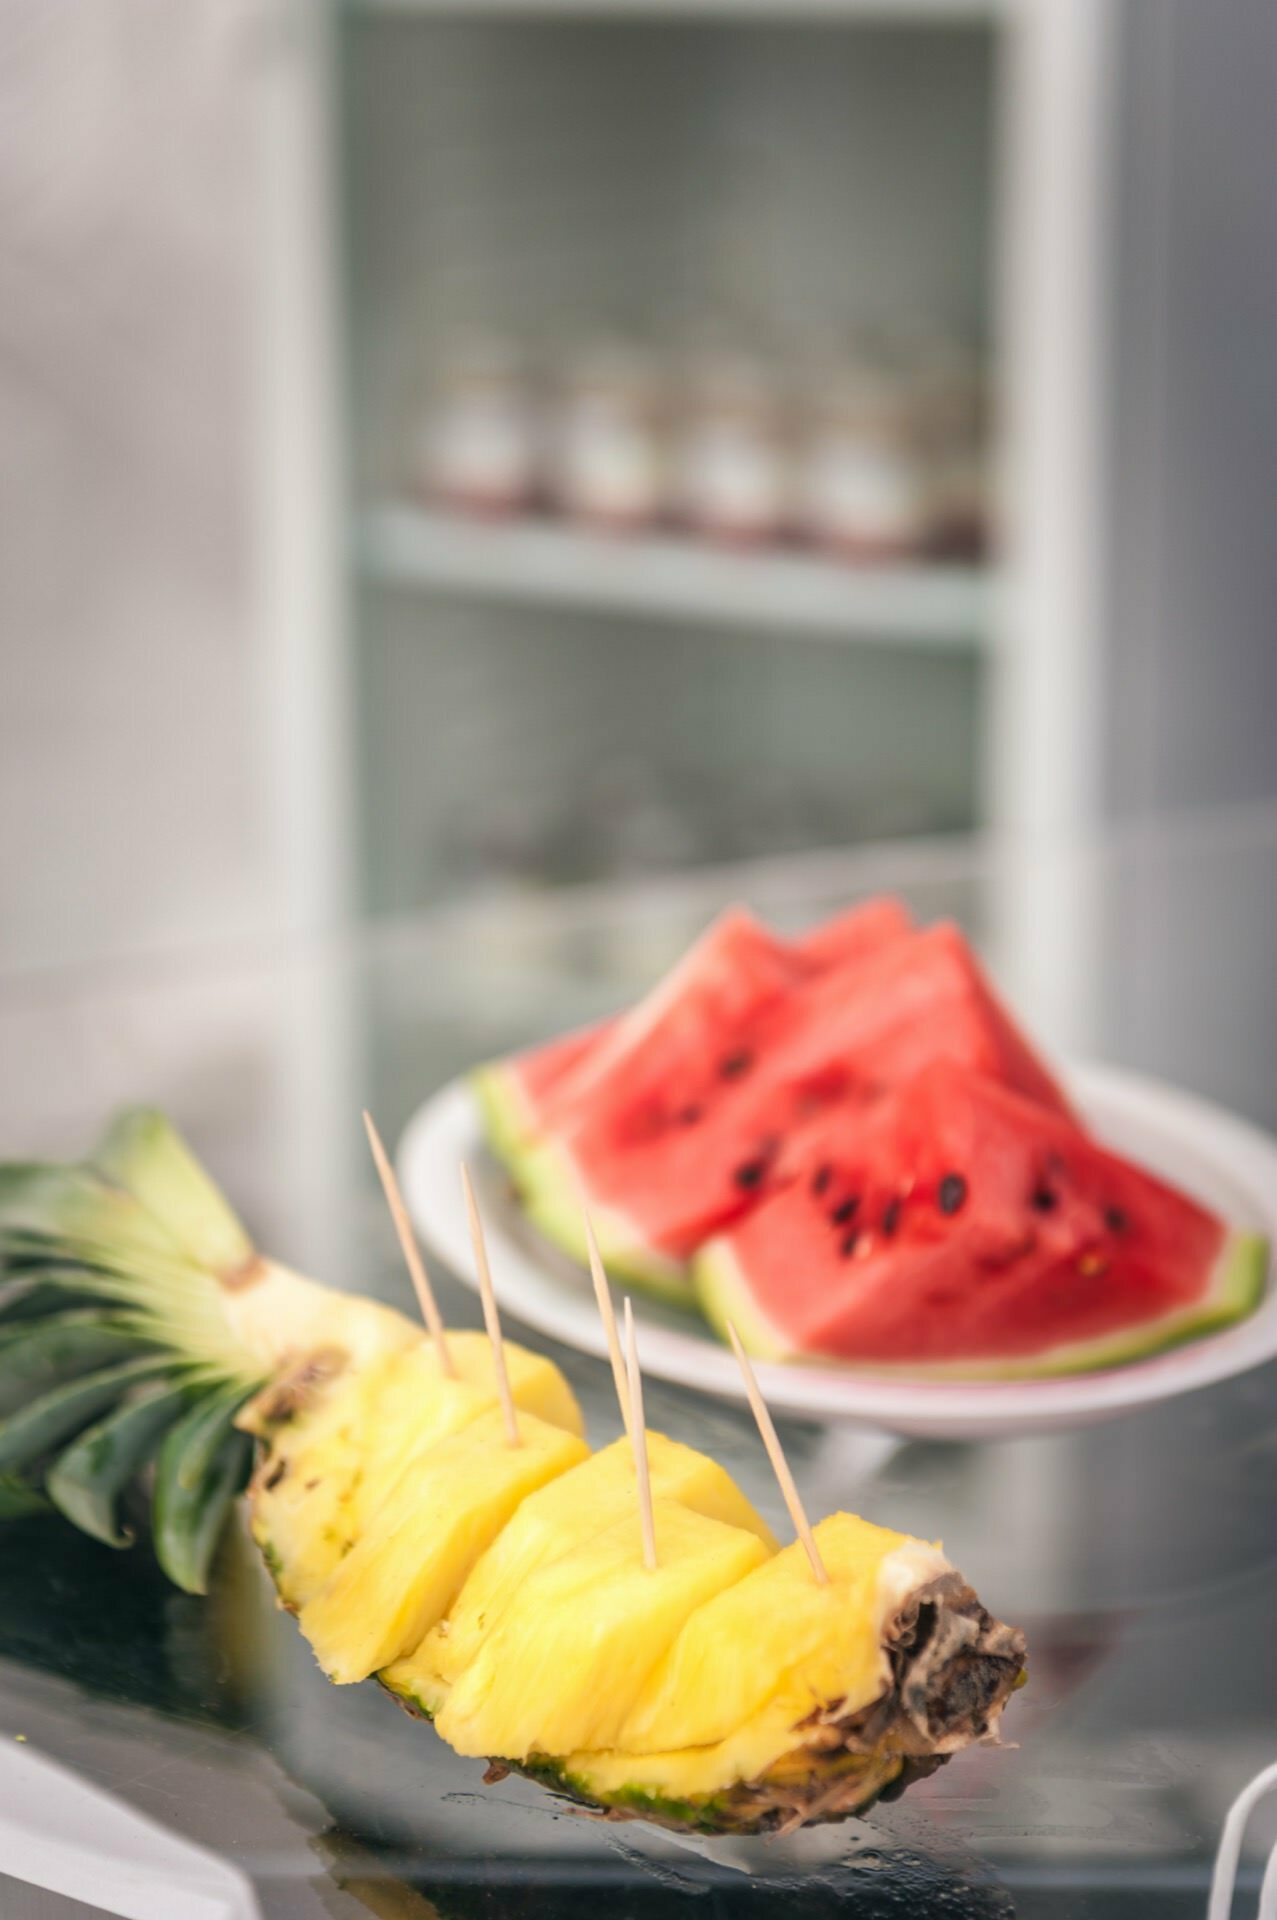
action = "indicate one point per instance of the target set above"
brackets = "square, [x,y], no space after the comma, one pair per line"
[1226,1163]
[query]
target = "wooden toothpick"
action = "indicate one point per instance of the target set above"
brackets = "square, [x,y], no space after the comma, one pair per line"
[780,1466]
[491,1319]
[607,1314]
[638,1441]
[411,1252]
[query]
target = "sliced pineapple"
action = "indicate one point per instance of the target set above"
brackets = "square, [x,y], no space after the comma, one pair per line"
[406,1569]
[578,1640]
[536,1383]
[551,1523]
[500,1587]
[338,1440]
[784,1701]
[779,1645]
[315,1488]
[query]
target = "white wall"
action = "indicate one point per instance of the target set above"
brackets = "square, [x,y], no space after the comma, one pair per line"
[131,796]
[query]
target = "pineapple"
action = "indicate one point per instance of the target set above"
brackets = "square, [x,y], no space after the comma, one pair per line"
[551,1522]
[572,1652]
[448,1503]
[498,1588]
[329,1460]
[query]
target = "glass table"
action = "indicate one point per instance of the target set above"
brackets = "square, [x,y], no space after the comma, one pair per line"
[1141,1556]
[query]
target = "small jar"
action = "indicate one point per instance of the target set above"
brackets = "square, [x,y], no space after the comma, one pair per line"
[859,490]
[953,441]
[732,470]
[479,450]
[606,460]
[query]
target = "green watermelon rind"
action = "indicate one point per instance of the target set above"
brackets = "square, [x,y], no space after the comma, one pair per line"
[1237,1285]
[551,1193]
[503,1112]
[555,1196]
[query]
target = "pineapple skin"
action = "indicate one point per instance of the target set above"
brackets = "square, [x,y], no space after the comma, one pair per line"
[805,1794]
[800,1788]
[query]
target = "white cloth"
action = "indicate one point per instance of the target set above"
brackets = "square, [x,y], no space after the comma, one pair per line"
[59,1833]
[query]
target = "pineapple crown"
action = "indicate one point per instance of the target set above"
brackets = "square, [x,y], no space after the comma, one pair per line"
[119,1372]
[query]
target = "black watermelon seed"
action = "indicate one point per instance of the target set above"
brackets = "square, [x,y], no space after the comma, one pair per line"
[1043,1200]
[953,1191]
[1115,1220]
[844,1210]
[750,1172]
[821,1178]
[690,1115]
[275,1475]
[735,1063]
[848,1245]
[891,1217]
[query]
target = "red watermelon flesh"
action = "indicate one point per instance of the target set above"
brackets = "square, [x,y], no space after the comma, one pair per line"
[968,1229]
[849,936]
[542,1069]
[734,976]
[724,984]
[691,1138]
[736,968]
[854,934]
[915,1000]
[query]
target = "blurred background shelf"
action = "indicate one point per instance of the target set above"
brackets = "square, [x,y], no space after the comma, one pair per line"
[531,562]
[478,207]
[796,10]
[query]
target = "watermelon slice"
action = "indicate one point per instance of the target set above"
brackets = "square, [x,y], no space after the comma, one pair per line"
[514,1094]
[685,1123]
[714,997]
[519,1096]
[904,1005]
[647,1065]
[971,1232]
[854,934]
[736,965]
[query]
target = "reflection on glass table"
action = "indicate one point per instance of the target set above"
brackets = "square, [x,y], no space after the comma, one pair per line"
[1139,1557]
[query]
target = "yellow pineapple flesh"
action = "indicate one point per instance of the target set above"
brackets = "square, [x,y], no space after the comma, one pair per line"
[301,1495]
[446,1506]
[551,1523]
[336,1453]
[576,1643]
[779,1645]
[536,1383]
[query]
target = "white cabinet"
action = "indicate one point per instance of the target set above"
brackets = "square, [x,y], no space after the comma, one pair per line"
[527,703]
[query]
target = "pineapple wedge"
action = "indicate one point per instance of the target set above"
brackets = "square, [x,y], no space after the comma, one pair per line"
[337,1443]
[500,1589]
[551,1523]
[783,1702]
[447,1504]
[574,1647]
[776,1646]
[301,1493]
[312,1495]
